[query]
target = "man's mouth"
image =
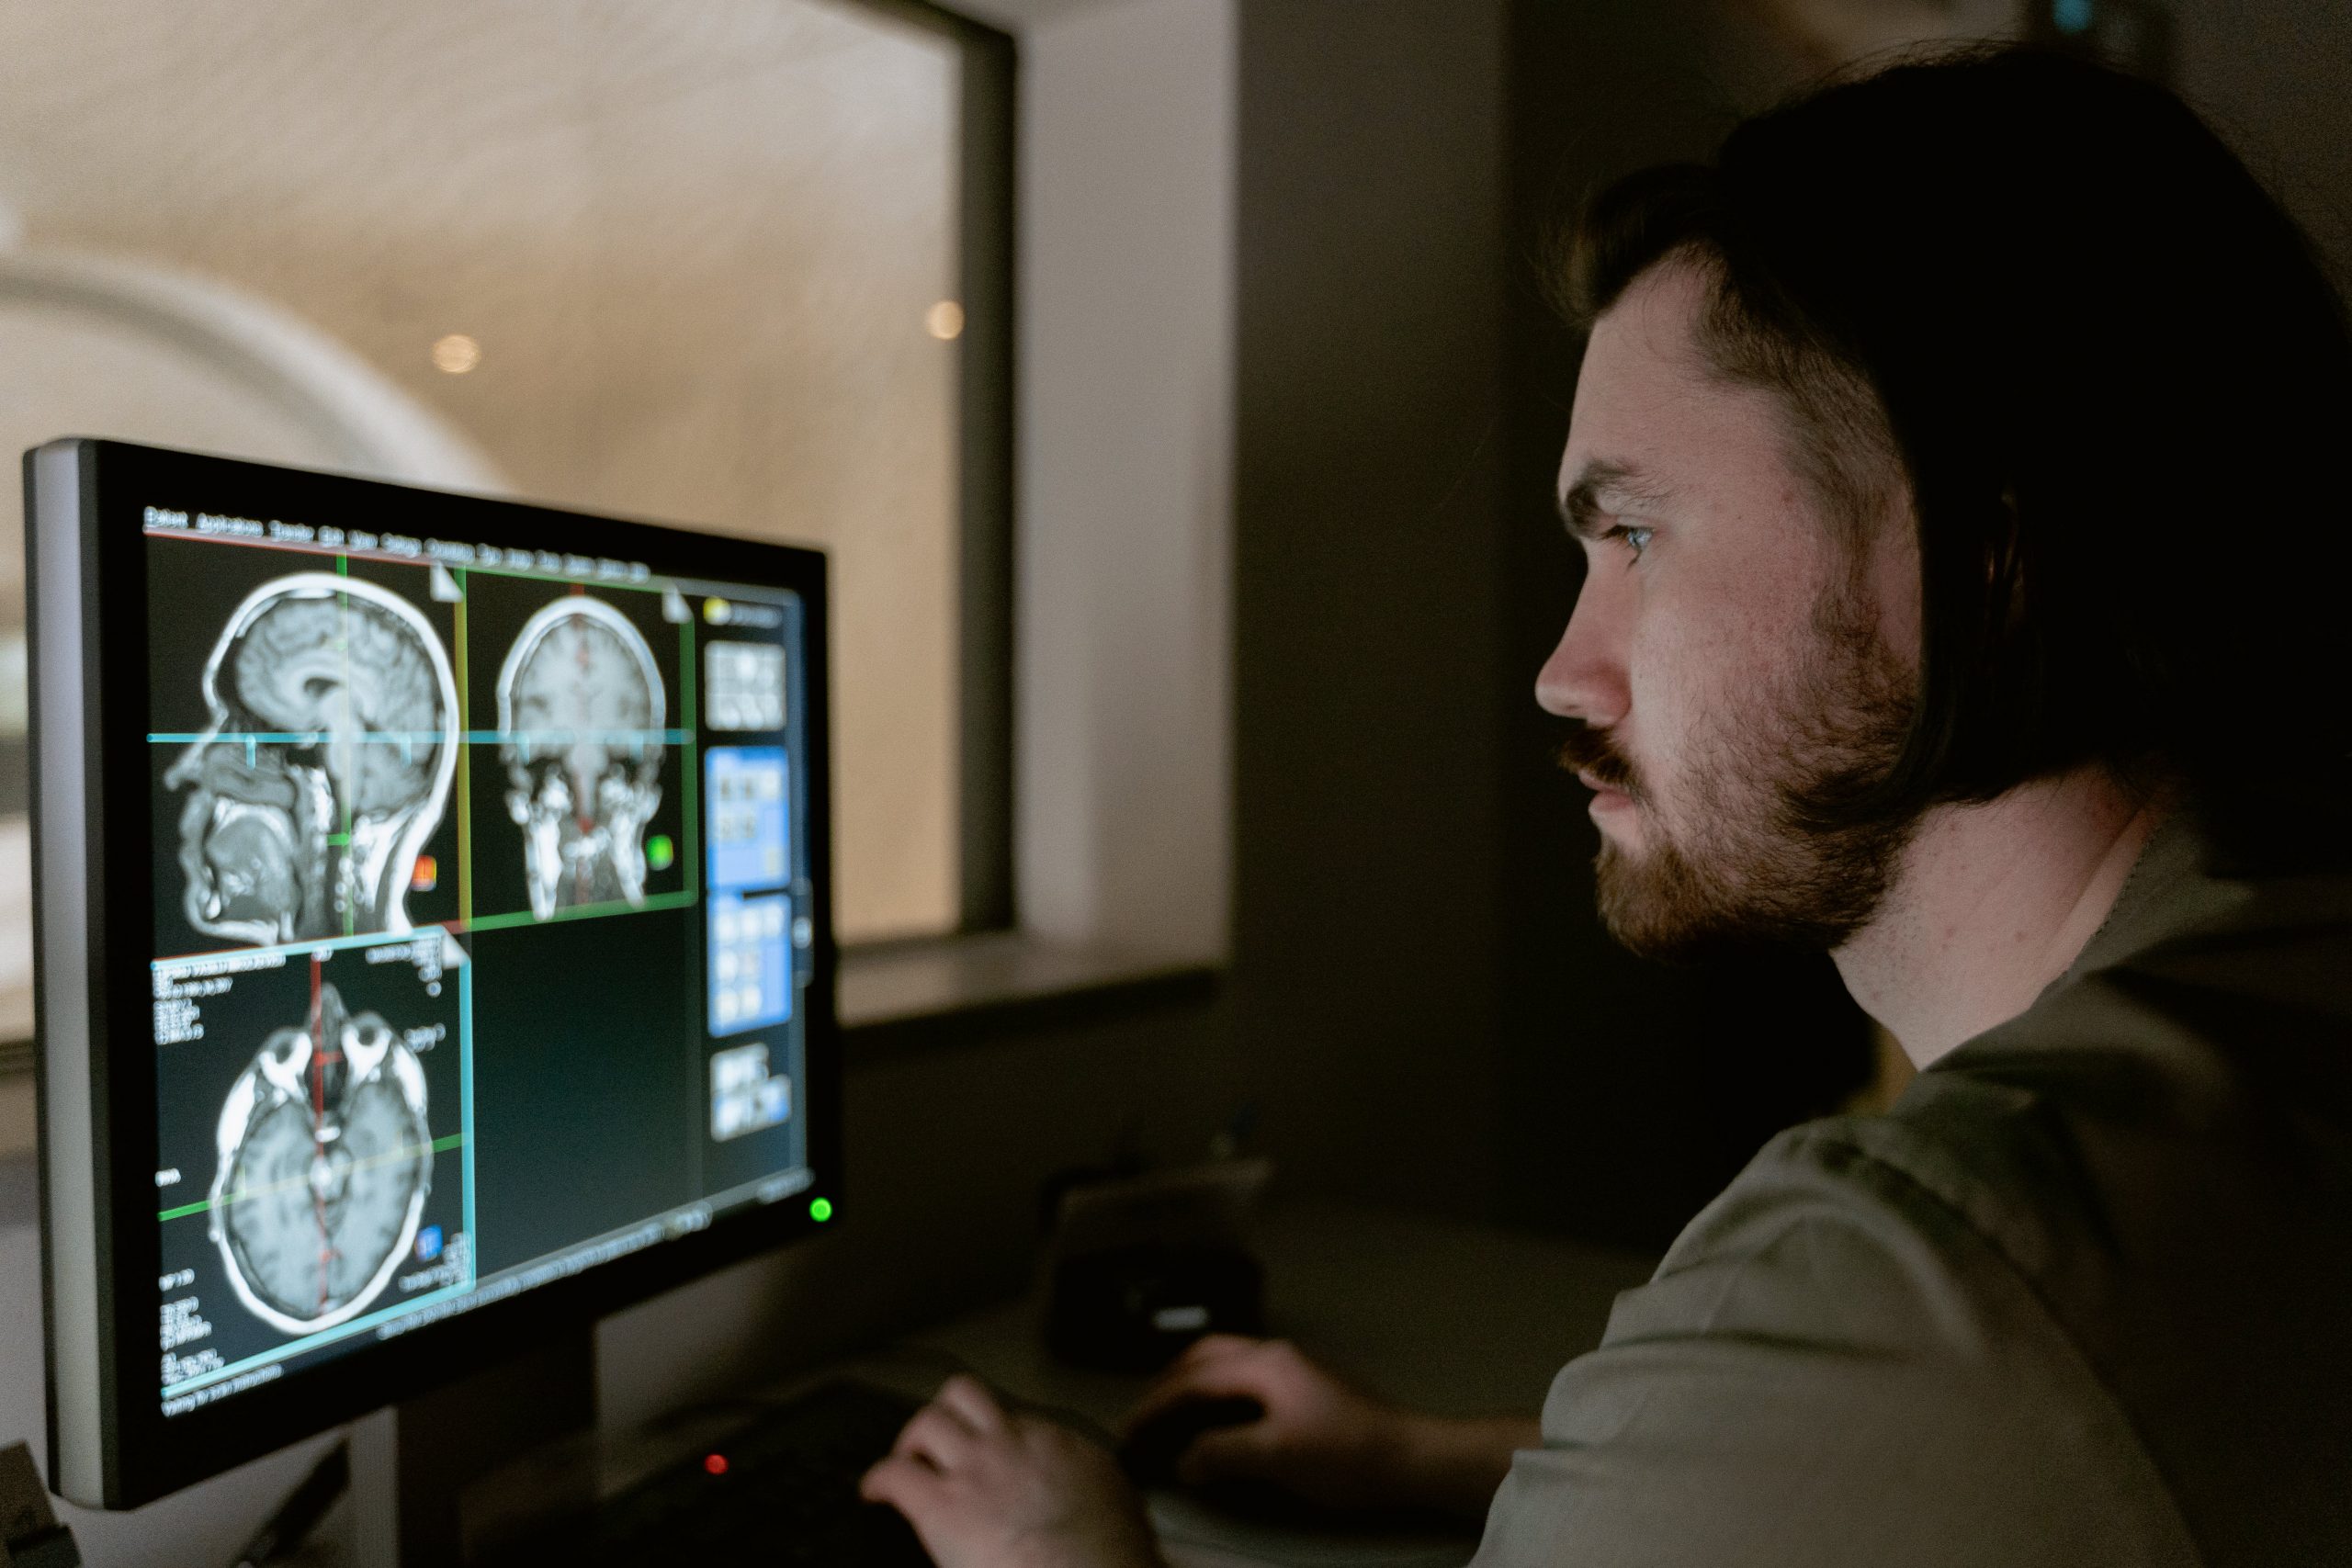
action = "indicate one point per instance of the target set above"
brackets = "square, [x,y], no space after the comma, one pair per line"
[1595,764]
[1599,786]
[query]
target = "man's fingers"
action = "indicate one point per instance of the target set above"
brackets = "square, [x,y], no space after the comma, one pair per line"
[968,1400]
[1206,1383]
[1226,1453]
[1210,1350]
[1216,1346]
[1034,1495]
[1215,1366]
[935,1437]
[904,1483]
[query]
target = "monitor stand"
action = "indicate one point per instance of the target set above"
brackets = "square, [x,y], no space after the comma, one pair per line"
[418,1468]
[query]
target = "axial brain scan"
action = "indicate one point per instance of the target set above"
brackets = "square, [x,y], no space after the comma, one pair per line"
[326,768]
[580,714]
[325,1162]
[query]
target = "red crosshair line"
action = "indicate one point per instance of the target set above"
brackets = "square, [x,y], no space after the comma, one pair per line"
[319,1055]
[584,809]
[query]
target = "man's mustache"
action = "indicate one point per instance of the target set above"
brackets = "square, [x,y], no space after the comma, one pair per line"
[1589,751]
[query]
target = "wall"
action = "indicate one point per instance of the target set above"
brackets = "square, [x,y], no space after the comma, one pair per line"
[1124,676]
[1367,590]
[2269,74]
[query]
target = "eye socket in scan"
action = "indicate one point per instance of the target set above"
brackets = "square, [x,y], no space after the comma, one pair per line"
[325,1161]
[580,706]
[326,767]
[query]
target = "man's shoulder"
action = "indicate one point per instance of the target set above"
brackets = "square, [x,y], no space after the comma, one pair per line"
[1896,1267]
[2114,1236]
[1834,1364]
[2150,1115]
[1923,1223]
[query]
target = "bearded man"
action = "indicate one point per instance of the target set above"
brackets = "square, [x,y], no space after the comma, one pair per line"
[1957,460]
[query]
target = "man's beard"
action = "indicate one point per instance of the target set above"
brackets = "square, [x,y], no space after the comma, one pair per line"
[1776,834]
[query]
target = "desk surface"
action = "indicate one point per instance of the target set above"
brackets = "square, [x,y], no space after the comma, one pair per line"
[1445,1317]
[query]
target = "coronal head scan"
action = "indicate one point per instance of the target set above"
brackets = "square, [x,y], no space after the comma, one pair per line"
[327,765]
[580,714]
[325,1162]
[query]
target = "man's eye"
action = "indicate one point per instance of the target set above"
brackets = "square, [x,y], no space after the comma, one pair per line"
[1635,537]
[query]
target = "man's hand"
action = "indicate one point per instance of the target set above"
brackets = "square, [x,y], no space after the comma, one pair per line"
[988,1488]
[1326,1441]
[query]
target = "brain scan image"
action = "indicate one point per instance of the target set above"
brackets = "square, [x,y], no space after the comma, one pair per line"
[580,715]
[325,1163]
[326,767]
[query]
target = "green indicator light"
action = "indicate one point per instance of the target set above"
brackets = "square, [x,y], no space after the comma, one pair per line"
[820,1208]
[660,851]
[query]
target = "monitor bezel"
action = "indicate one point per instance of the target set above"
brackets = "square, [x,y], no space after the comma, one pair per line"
[146,1454]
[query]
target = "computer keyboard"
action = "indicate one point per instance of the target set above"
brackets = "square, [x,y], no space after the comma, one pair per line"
[781,1489]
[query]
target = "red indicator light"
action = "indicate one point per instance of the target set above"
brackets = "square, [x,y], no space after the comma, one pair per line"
[427,874]
[715,1464]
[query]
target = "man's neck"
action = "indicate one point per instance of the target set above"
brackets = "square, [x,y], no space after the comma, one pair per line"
[1993,902]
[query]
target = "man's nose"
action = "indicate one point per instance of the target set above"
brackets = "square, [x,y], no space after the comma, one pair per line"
[1585,678]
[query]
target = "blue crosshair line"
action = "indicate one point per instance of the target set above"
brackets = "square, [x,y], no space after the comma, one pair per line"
[417,737]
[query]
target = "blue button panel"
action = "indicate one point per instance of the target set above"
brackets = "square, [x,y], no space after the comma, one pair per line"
[746,813]
[746,818]
[750,961]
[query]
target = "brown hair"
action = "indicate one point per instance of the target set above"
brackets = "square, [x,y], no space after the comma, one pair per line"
[2041,301]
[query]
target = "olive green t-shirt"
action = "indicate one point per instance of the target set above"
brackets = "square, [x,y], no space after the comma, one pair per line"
[2083,1297]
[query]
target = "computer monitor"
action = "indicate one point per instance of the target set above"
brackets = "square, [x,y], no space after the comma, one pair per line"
[433,936]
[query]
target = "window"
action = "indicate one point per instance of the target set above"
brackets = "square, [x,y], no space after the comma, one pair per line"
[737,264]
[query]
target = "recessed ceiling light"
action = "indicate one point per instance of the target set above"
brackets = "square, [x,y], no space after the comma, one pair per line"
[457,354]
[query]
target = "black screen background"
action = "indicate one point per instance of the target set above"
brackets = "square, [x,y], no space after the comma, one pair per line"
[588,1062]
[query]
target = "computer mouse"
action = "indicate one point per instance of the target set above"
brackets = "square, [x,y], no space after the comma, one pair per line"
[1151,1452]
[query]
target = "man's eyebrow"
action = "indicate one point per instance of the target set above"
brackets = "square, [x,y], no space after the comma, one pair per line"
[1601,488]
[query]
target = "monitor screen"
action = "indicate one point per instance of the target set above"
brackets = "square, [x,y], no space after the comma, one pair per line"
[480,914]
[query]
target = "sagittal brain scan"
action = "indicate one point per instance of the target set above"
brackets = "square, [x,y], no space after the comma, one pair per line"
[580,715]
[325,1161]
[326,767]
